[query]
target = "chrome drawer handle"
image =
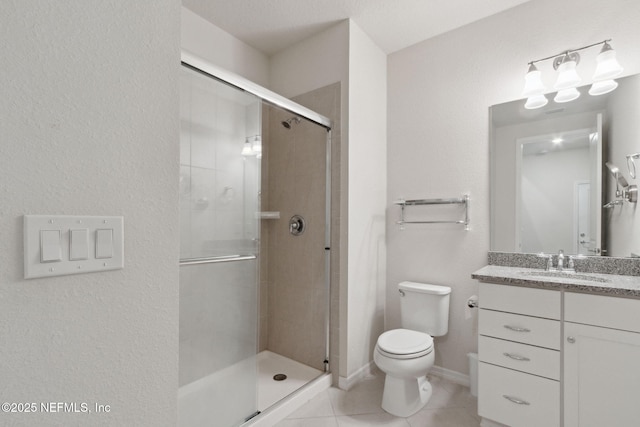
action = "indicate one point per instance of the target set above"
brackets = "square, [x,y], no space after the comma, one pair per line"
[516,357]
[516,400]
[516,329]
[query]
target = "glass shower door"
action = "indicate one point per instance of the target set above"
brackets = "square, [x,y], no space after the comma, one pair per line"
[219,275]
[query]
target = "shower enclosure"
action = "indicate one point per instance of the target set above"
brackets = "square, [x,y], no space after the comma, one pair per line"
[255,247]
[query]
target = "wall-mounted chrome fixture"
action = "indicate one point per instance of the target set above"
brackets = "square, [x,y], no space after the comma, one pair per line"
[624,191]
[252,146]
[568,79]
[297,225]
[631,164]
[287,123]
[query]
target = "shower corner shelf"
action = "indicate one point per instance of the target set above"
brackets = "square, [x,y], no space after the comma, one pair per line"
[268,215]
[464,200]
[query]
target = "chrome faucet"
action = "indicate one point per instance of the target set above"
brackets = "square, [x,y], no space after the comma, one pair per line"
[560,259]
[550,263]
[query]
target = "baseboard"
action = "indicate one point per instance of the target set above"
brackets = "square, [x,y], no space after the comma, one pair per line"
[488,423]
[367,371]
[449,375]
[370,369]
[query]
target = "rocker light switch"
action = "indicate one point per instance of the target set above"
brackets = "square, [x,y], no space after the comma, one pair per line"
[78,244]
[104,243]
[50,247]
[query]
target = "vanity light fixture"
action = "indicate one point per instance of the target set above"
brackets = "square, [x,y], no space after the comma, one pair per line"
[566,95]
[534,89]
[608,66]
[568,78]
[252,146]
[567,75]
[246,148]
[257,144]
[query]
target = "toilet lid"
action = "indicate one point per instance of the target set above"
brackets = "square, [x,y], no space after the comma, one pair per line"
[405,342]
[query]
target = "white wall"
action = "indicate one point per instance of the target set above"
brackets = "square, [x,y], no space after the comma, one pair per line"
[312,63]
[439,94]
[89,126]
[204,39]
[367,198]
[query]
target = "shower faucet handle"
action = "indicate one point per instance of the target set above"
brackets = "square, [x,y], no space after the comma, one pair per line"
[297,225]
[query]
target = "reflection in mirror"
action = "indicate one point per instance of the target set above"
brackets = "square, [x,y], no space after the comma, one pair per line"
[549,187]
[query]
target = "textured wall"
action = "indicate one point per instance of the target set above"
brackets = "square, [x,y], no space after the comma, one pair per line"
[222,49]
[89,126]
[439,94]
[367,256]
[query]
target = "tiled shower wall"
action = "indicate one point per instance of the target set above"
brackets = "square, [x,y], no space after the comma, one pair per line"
[293,292]
[218,200]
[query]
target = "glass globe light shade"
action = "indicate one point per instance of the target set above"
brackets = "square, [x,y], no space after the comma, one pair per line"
[600,88]
[536,101]
[608,66]
[567,75]
[533,82]
[566,95]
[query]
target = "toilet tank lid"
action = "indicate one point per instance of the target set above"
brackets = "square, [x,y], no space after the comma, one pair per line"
[425,288]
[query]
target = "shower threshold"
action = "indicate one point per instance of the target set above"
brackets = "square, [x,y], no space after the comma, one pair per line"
[272,364]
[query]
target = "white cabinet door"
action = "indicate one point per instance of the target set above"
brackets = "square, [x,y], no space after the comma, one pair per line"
[601,377]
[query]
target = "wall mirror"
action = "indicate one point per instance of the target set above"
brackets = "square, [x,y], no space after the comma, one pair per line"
[550,188]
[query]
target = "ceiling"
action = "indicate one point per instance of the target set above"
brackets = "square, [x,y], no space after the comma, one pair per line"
[273,25]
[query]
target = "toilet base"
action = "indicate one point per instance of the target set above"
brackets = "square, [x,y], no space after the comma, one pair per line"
[404,397]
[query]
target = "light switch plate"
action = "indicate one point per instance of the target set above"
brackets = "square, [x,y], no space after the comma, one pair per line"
[34,224]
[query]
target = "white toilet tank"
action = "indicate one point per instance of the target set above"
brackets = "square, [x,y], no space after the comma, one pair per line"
[424,307]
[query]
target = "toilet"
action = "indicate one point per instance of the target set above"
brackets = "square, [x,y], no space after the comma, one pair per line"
[405,355]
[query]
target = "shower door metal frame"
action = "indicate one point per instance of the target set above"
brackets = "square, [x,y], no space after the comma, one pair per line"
[196,63]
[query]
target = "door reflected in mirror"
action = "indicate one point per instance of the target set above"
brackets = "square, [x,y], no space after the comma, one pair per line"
[550,167]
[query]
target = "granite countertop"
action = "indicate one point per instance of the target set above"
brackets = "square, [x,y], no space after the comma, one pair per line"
[597,283]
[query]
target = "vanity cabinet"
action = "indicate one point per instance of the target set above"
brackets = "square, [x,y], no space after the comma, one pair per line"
[519,355]
[601,361]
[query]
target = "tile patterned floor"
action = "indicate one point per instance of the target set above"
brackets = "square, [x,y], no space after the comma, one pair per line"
[450,406]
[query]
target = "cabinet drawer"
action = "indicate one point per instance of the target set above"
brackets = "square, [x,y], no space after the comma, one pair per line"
[514,299]
[605,311]
[535,401]
[524,329]
[522,357]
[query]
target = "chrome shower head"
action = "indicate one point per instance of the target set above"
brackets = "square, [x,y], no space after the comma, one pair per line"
[287,123]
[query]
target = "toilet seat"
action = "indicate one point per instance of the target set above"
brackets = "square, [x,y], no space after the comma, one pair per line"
[404,344]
